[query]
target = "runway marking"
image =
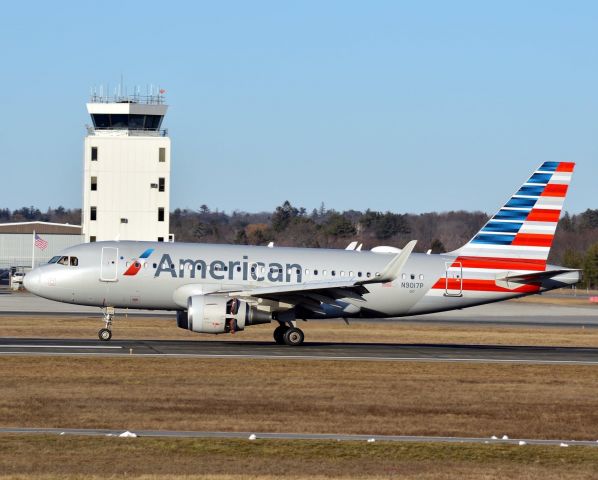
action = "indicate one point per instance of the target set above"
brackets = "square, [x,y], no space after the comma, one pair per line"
[298,436]
[315,357]
[98,347]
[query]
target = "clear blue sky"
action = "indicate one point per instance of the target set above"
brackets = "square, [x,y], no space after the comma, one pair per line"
[401,106]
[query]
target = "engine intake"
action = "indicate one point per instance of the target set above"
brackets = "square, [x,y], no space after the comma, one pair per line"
[219,314]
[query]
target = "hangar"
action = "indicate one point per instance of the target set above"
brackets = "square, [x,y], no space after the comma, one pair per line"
[27,244]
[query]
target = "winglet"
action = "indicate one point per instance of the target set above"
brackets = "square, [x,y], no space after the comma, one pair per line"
[394,267]
[351,246]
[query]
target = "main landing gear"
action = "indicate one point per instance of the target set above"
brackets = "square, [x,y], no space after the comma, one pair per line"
[293,336]
[105,333]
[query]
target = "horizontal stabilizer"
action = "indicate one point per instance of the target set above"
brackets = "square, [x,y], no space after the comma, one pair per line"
[516,280]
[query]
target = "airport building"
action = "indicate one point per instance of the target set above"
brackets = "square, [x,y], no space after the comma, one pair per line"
[126,179]
[27,244]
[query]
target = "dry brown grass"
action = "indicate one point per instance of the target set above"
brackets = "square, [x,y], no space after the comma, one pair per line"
[328,331]
[532,401]
[70,457]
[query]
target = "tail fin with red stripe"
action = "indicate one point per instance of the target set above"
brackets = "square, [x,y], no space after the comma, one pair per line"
[523,229]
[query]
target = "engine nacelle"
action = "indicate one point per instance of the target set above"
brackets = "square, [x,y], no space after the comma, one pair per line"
[219,314]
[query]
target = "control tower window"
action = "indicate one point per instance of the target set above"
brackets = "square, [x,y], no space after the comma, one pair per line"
[122,120]
[161,184]
[94,184]
[94,154]
[162,154]
[93,213]
[136,122]
[160,214]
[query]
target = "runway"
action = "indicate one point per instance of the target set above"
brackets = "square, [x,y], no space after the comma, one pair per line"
[297,436]
[308,351]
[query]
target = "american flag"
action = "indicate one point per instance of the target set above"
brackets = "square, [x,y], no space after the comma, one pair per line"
[40,242]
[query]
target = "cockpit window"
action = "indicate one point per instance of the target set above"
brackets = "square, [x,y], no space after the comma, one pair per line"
[74,261]
[63,261]
[54,259]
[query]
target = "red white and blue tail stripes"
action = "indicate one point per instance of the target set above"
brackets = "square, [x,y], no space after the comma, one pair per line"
[517,239]
[524,227]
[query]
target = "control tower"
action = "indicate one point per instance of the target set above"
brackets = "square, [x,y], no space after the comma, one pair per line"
[126,180]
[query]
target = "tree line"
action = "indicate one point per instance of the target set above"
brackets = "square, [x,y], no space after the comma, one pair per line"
[575,243]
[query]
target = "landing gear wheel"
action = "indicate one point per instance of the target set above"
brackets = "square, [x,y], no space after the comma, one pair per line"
[293,337]
[279,334]
[104,334]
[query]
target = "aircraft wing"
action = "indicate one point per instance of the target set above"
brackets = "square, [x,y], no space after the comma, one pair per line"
[311,294]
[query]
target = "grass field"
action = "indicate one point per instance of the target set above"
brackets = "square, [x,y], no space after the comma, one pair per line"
[79,457]
[328,331]
[534,401]
[395,398]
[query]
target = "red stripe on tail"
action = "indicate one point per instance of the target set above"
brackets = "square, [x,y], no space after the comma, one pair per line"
[565,167]
[501,263]
[533,240]
[555,190]
[543,215]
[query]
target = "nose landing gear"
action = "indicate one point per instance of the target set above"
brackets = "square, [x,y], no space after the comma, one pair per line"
[105,333]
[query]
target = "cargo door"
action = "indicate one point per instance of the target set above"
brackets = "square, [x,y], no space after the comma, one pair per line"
[454,279]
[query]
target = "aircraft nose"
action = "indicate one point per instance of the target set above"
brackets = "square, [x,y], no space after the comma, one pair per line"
[31,281]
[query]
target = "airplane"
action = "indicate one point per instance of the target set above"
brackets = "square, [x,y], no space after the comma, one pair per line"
[226,288]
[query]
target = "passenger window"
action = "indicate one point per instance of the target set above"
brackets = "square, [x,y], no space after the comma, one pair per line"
[324,272]
[368,274]
[421,277]
[333,273]
[359,274]
[404,276]
[307,271]
[315,272]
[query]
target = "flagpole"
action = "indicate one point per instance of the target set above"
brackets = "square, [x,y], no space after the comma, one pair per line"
[33,250]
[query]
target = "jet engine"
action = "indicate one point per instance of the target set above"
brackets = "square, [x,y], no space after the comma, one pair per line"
[219,314]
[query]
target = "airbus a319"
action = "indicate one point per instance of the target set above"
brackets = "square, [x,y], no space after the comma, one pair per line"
[226,288]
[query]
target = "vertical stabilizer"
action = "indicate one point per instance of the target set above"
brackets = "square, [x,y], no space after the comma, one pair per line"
[523,229]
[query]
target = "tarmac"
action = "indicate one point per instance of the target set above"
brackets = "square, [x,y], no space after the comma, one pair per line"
[504,313]
[307,351]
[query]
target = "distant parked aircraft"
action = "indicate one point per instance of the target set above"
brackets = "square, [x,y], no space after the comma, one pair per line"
[225,288]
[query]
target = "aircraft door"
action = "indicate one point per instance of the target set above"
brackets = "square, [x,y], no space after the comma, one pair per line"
[454,279]
[109,265]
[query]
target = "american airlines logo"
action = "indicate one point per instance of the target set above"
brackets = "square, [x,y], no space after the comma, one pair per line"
[230,270]
[136,265]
